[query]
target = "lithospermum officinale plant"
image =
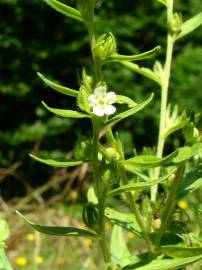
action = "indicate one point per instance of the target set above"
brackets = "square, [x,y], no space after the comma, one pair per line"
[152,215]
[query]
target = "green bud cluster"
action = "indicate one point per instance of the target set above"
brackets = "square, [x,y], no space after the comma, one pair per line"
[175,23]
[105,46]
[83,149]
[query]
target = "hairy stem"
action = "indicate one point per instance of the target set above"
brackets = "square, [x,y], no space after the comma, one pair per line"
[164,96]
[99,189]
[170,203]
[136,211]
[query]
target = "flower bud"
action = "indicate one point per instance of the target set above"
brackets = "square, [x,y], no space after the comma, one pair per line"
[111,154]
[82,149]
[176,23]
[157,223]
[87,81]
[105,46]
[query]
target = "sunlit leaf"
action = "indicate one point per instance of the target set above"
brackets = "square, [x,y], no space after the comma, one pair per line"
[125,220]
[128,113]
[166,264]
[119,58]
[66,113]
[64,9]
[57,87]
[136,186]
[190,25]
[148,161]
[118,248]
[177,251]
[57,163]
[58,231]
[143,71]
[125,100]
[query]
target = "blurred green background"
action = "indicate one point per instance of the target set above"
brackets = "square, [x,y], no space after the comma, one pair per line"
[34,37]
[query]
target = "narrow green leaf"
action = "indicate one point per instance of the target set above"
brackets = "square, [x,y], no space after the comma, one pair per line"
[190,25]
[118,248]
[164,2]
[57,163]
[119,58]
[148,161]
[143,71]
[57,87]
[64,9]
[177,251]
[58,231]
[177,126]
[136,186]
[65,113]
[166,264]
[191,181]
[128,113]
[125,220]
[125,100]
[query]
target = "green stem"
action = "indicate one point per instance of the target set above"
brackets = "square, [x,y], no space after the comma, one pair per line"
[136,211]
[170,203]
[164,97]
[99,189]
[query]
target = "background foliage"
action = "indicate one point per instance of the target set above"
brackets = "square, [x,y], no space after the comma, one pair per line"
[33,37]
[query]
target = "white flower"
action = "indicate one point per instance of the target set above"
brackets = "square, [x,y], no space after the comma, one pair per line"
[101,101]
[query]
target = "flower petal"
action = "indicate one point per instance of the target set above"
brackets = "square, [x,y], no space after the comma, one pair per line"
[92,100]
[109,109]
[111,97]
[99,110]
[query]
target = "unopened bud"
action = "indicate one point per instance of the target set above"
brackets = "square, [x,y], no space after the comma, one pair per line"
[157,223]
[176,23]
[105,46]
[172,178]
[111,154]
[196,133]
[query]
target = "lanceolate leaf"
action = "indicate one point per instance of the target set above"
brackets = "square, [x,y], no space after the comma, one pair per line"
[4,262]
[141,56]
[58,231]
[125,100]
[57,87]
[177,251]
[57,163]
[66,113]
[190,25]
[136,186]
[166,264]
[143,71]
[128,113]
[148,161]
[125,220]
[118,248]
[64,9]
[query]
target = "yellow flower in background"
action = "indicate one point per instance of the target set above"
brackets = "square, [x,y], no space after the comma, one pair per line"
[39,260]
[87,242]
[21,261]
[30,237]
[130,235]
[108,226]
[60,261]
[182,204]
